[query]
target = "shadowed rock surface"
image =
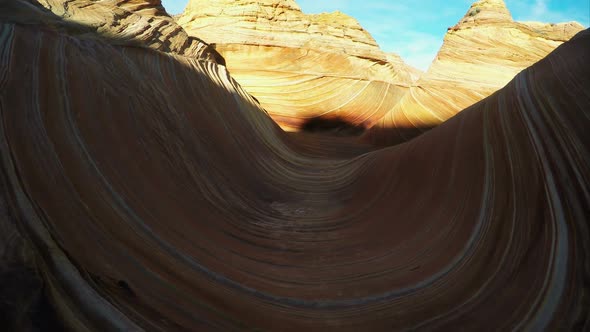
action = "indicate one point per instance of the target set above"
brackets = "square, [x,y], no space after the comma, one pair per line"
[149,191]
[139,23]
[480,54]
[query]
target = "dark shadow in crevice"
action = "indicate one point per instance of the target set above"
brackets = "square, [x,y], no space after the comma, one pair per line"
[24,305]
[334,126]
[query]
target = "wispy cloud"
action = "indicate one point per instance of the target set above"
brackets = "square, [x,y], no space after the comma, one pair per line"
[540,8]
[552,11]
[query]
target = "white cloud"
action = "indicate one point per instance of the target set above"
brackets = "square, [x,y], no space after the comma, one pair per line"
[539,9]
[550,11]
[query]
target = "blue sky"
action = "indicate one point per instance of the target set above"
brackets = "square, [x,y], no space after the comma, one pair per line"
[415,28]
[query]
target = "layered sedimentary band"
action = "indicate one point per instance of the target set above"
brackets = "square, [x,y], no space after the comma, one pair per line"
[480,54]
[155,194]
[299,66]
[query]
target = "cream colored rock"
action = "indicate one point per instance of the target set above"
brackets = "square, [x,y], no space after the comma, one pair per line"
[301,66]
[480,54]
[397,61]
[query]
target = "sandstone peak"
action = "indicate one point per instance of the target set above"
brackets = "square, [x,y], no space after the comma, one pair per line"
[276,23]
[248,7]
[336,18]
[487,11]
[490,3]
[480,54]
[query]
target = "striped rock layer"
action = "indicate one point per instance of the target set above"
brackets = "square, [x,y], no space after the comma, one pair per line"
[480,54]
[149,191]
[301,66]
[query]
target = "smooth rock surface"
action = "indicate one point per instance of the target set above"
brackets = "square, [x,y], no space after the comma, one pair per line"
[480,54]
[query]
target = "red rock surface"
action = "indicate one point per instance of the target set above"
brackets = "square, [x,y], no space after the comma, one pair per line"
[154,194]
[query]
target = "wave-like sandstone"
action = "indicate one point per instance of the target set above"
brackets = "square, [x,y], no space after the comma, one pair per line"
[480,54]
[301,66]
[150,192]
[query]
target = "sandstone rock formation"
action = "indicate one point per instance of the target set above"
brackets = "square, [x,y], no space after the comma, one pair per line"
[301,66]
[140,23]
[479,56]
[153,193]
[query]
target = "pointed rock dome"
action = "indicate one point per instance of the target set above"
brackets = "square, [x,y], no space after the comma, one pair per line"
[487,11]
[480,54]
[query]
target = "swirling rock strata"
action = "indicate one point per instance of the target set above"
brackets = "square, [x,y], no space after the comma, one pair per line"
[301,66]
[155,194]
[480,54]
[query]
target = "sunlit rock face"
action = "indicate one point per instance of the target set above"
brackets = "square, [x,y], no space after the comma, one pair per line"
[301,66]
[479,55]
[146,190]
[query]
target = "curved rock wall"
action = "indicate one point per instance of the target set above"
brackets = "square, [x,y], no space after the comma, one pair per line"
[155,194]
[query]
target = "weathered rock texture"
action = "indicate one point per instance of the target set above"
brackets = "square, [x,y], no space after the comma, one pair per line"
[484,51]
[140,23]
[152,193]
[301,66]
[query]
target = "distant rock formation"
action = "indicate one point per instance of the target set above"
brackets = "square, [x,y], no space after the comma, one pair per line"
[480,54]
[301,66]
